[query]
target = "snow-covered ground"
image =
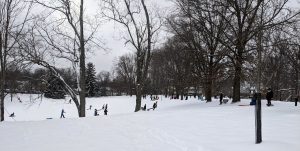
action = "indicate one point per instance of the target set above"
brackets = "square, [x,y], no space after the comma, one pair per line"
[176,125]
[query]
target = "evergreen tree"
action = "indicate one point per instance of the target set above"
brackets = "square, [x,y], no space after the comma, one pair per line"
[91,86]
[54,89]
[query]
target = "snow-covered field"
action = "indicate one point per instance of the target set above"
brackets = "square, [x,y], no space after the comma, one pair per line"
[176,125]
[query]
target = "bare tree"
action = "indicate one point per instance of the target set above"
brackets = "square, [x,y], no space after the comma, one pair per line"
[125,68]
[199,28]
[67,37]
[11,26]
[32,49]
[140,26]
[240,18]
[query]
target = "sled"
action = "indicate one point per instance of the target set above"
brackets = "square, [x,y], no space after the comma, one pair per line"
[243,105]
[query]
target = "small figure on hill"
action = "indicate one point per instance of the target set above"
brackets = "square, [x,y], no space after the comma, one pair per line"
[269,97]
[19,100]
[155,105]
[90,108]
[221,98]
[70,101]
[12,114]
[96,112]
[144,108]
[105,110]
[254,98]
[62,113]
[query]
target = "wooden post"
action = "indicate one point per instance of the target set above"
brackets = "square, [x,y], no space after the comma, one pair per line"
[296,101]
[258,134]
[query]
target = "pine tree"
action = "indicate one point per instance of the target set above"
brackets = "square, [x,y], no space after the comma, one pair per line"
[54,89]
[91,86]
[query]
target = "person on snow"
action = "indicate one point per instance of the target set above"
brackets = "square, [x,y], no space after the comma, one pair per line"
[90,108]
[155,105]
[12,114]
[19,100]
[254,98]
[96,112]
[105,110]
[106,107]
[221,98]
[144,108]
[269,96]
[62,113]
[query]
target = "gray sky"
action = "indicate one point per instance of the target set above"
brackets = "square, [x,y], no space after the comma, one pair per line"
[111,35]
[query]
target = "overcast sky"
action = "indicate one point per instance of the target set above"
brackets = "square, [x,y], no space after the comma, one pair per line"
[110,33]
[111,36]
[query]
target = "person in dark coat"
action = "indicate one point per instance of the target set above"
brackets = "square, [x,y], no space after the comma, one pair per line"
[155,105]
[269,96]
[221,98]
[62,113]
[254,98]
[144,108]
[96,112]
[105,111]
[12,114]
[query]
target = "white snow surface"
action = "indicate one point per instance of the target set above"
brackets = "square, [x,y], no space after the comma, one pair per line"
[176,125]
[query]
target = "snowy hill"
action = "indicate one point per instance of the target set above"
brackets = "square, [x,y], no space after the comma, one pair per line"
[176,125]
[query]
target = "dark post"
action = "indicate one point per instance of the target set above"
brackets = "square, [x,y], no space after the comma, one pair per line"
[258,119]
[296,101]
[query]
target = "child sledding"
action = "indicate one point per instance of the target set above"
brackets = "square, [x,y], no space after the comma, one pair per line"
[12,114]
[153,107]
[144,108]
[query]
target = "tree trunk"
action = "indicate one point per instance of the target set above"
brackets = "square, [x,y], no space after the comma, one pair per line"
[237,83]
[138,98]
[82,65]
[209,82]
[139,84]
[208,91]
[181,95]
[2,81]
[2,95]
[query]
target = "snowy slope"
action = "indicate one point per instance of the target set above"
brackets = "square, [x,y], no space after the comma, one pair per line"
[175,126]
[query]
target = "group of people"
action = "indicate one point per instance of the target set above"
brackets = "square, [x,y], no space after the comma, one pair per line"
[104,108]
[144,108]
[269,97]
